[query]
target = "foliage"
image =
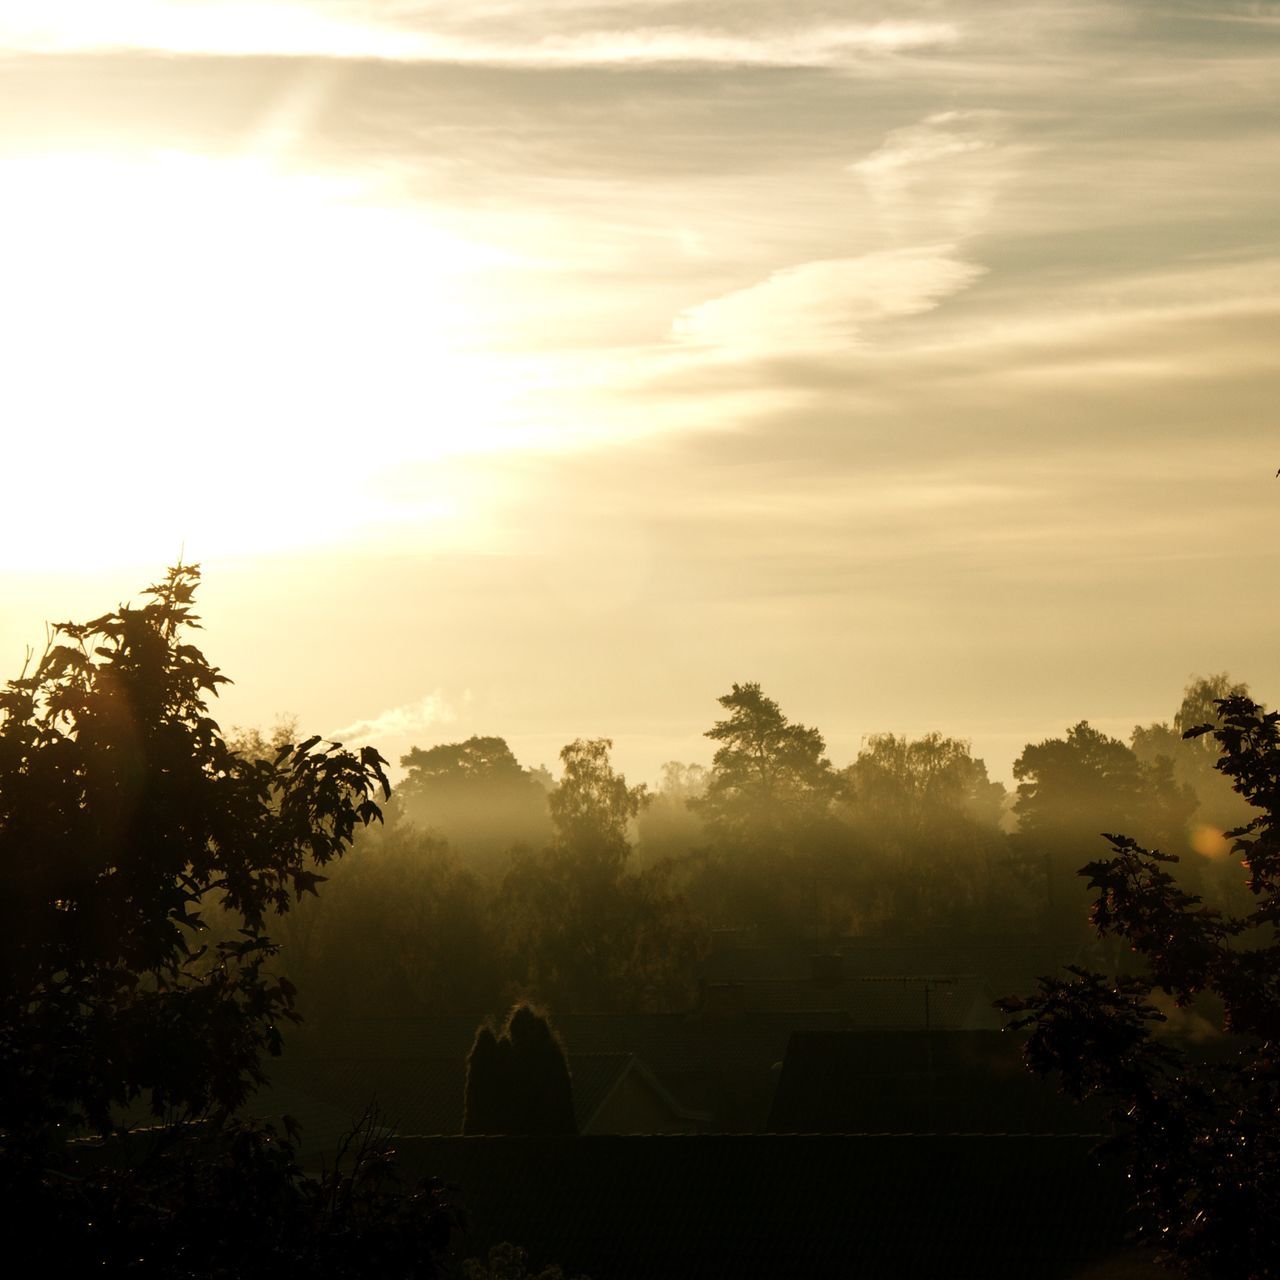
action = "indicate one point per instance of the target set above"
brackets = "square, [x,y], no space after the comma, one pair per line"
[667,827]
[1201,1132]
[123,814]
[403,927]
[930,783]
[1072,788]
[584,929]
[411,926]
[477,795]
[598,938]
[767,774]
[1206,867]
[933,817]
[509,1262]
[518,1078]
[126,816]
[229,1200]
[592,807]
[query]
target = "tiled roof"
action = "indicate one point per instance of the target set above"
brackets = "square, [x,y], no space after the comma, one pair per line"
[1011,961]
[917,1082]
[722,1065]
[423,1095]
[778,1206]
[961,1002]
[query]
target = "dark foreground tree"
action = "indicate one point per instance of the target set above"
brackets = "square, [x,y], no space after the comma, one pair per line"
[1200,1128]
[125,815]
[518,1079]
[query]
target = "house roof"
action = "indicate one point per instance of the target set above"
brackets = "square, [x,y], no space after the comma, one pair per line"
[917,1082]
[745,1206]
[415,1067]
[591,1096]
[425,1095]
[957,1001]
[1016,962]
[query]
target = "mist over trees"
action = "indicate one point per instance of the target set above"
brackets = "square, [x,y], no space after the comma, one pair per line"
[196,894]
[477,796]
[492,882]
[934,817]
[1199,1135]
[1073,788]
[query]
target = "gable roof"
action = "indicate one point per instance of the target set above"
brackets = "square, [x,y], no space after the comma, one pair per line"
[723,1066]
[425,1095]
[592,1095]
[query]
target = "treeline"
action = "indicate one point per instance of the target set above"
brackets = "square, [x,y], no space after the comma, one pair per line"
[492,882]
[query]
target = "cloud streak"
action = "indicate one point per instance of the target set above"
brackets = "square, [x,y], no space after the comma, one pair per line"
[428,712]
[825,305]
[275,27]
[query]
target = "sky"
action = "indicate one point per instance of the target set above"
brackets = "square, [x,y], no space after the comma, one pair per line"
[541,369]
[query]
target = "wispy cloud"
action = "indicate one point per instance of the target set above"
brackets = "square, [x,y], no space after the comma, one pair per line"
[825,304]
[427,712]
[817,46]
[419,33]
[939,175]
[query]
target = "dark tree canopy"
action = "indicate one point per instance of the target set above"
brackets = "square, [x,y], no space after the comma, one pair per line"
[588,931]
[518,1078]
[477,759]
[592,807]
[125,818]
[767,773]
[1194,763]
[1072,789]
[476,795]
[124,815]
[1201,1132]
[930,817]
[932,781]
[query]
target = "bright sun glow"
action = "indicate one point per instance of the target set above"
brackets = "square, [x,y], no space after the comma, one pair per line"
[211,351]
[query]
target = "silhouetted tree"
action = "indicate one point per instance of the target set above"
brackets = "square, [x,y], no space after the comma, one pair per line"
[1202,1138]
[588,932]
[592,806]
[518,1081]
[931,817]
[485,1093]
[475,794]
[124,816]
[922,785]
[507,1261]
[1071,789]
[768,774]
[1206,866]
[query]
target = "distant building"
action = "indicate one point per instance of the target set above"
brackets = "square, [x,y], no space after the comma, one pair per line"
[918,1082]
[940,981]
